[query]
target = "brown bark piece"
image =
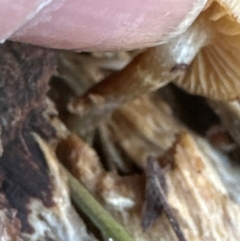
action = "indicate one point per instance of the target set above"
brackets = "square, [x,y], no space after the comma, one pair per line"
[25,71]
[24,74]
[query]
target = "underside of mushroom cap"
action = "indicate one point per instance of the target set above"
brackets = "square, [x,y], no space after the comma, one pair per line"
[215,71]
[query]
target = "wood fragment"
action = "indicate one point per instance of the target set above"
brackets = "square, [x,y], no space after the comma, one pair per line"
[156,200]
[10,225]
[229,113]
[193,182]
[153,206]
[147,123]
[109,228]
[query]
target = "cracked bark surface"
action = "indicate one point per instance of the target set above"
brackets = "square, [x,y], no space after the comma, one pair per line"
[24,74]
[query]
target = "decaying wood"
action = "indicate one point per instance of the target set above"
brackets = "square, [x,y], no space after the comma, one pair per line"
[25,71]
[156,201]
[229,112]
[150,126]
[202,182]
[194,192]
[83,162]
[10,225]
[109,228]
[35,203]
[61,221]
[106,128]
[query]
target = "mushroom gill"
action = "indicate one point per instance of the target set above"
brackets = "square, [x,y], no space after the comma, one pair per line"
[215,70]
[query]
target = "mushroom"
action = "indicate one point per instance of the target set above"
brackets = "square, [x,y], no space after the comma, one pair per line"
[203,60]
[214,72]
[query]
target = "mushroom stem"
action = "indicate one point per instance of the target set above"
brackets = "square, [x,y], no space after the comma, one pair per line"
[149,71]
